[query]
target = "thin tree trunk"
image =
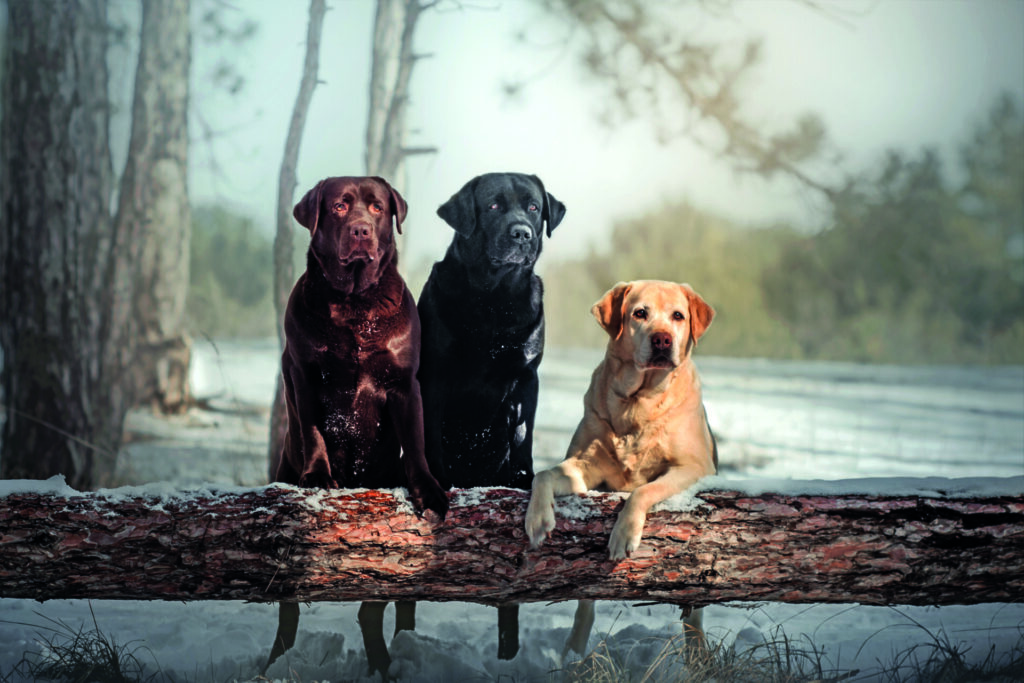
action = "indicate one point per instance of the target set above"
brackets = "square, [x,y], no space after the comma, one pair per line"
[64,413]
[284,276]
[153,220]
[285,543]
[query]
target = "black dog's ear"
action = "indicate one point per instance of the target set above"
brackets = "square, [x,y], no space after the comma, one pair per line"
[397,204]
[307,211]
[554,210]
[460,211]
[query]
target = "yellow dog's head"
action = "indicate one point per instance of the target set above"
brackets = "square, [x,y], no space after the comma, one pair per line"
[655,323]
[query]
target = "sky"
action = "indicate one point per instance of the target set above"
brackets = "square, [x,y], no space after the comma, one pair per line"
[880,74]
[898,74]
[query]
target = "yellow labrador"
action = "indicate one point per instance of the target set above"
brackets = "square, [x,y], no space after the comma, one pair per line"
[644,429]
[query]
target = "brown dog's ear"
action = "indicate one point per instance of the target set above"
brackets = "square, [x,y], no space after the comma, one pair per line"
[608,310]
[307,211]
[554,210]
[460,211]
[700,314]
[397,205]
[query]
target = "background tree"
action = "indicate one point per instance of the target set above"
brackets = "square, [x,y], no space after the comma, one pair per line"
[56,244]
[919,264]
[153,213]
[652,67]
[284,271]
[391,68]
[71,269]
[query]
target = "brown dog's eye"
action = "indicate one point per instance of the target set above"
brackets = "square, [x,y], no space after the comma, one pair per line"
[640,314]
[376,208]
[678,316]
[341,207]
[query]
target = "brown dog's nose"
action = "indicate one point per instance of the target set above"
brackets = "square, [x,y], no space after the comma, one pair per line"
[661,341]
[360,231]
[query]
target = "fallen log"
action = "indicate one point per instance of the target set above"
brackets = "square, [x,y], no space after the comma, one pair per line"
[823,543]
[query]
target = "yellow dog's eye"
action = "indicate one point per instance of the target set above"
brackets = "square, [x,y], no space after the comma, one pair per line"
[678,316]
[640,314]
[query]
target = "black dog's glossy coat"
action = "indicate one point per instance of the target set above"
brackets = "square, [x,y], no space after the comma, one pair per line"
[483,333]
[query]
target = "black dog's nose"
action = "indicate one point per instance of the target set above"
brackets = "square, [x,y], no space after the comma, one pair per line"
[661,341]
[521,233]
[360,231]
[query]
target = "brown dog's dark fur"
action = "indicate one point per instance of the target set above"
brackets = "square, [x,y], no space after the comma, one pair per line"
[352,351]
[355,413]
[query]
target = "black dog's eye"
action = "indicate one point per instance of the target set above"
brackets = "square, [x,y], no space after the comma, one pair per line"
[494,206]
[678,316]
[640,314]
[531,207]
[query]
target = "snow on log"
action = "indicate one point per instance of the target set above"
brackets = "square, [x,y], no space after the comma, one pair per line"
[285,543]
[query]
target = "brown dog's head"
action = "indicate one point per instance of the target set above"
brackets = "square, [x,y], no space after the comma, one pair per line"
[350,224]
[653,322]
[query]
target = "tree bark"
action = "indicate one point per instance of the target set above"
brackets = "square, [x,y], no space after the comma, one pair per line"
[284,275]
[153,221]
[63,412]
[285,543]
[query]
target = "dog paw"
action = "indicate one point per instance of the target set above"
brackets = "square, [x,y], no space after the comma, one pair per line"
[625,538]
[430,498]
[540,519]
[317,480]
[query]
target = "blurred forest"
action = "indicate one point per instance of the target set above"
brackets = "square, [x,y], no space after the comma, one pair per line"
[921,262]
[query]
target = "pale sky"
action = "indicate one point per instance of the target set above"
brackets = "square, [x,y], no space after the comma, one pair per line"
[881,74]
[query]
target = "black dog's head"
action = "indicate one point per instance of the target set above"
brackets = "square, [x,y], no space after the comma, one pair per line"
[350,225]
[499,218]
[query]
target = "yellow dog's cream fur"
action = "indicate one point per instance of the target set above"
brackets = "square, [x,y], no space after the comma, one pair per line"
[644,429]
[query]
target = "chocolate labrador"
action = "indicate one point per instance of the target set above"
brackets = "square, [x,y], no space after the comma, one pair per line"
[355,412]
[483,337]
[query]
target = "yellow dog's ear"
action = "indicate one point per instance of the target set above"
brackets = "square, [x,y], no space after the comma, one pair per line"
[700,313]
[608,310]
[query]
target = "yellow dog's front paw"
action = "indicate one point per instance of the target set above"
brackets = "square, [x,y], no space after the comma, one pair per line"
[626,534]
[540,518]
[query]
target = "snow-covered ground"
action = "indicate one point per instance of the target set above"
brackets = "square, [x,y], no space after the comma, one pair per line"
[776,420]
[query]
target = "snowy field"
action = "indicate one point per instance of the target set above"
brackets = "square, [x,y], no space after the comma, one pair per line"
[777,420]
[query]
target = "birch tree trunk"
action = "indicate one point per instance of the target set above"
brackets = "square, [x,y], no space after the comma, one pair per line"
[284,275]
[64,408]
[285,543]
[391,70]
[153,220]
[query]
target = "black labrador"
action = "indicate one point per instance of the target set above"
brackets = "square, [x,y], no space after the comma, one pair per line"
[483,337]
